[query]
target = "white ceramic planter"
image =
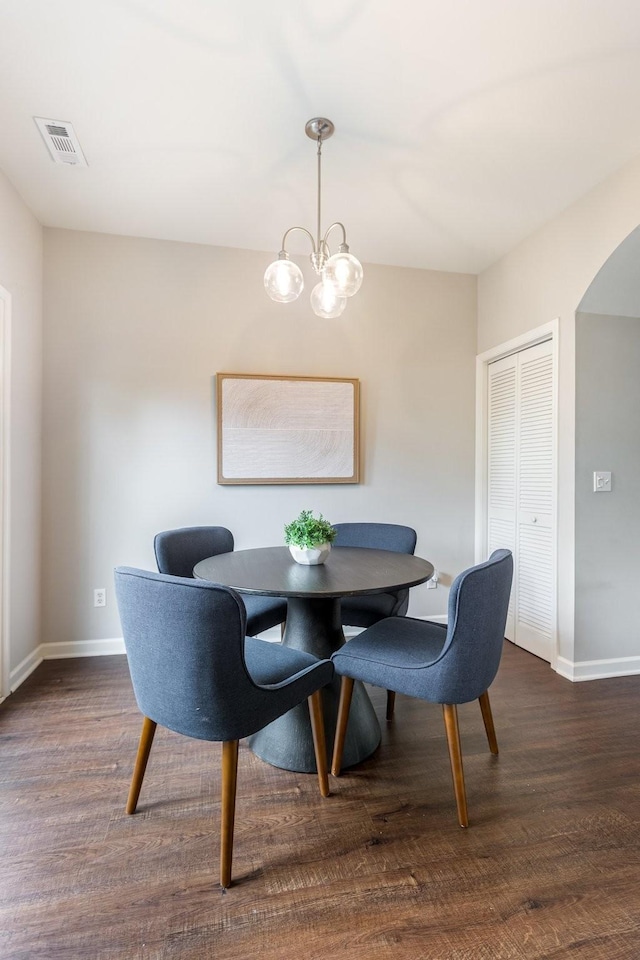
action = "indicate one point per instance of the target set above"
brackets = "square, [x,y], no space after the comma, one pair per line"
[311,555]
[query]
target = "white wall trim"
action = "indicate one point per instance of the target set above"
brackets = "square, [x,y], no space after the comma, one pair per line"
[105,648]
[585,670]
[273,635]
[25,668]
[5,477]
[82,648]
[63,651]
[598,669]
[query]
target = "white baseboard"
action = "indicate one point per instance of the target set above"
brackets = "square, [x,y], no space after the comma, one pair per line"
[103,648]
[62,651]
[24,669]
[82,648]
[274,633]
[598,669]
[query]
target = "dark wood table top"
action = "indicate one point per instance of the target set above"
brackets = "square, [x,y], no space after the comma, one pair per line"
[347,571]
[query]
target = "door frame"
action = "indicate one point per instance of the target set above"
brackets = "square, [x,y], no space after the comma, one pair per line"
[548,331]
[5,420]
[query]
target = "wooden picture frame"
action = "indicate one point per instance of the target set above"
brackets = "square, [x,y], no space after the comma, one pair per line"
[285,429]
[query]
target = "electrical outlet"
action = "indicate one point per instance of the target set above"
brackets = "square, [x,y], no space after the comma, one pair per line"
[100,597]
[433,583]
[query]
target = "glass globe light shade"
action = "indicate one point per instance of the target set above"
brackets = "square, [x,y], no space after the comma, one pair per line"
[345,272]
[325,302]
[283,280]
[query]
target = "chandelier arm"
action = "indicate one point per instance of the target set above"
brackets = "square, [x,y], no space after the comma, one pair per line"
[328,231]
[303,230]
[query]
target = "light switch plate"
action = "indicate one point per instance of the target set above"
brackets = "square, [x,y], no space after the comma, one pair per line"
[602,481]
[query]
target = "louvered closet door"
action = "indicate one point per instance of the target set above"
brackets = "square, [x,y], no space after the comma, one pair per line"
[521,489]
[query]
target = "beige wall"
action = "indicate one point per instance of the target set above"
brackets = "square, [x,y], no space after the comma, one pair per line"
[545,277]
[134,332]
[21,276]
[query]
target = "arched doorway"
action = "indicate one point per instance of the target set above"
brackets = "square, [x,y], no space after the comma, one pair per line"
[607,520]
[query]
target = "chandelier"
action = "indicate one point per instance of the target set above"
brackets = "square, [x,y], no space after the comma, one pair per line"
[340,273]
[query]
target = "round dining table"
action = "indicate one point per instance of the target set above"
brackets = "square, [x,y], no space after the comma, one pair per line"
[313,624]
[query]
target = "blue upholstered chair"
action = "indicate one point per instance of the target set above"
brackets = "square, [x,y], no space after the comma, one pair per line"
[194,671]
[364,611]
[447,664]
[178,551]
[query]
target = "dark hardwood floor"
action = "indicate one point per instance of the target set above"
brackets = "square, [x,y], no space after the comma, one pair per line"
[550,866]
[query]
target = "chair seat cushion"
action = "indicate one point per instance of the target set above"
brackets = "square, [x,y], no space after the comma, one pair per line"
[271,663]
[391,653]
[263,612]
[364,611]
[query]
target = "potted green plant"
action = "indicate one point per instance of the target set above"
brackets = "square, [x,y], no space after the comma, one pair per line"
[309,538]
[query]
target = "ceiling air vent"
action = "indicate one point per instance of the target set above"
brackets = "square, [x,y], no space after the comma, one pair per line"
[61,141]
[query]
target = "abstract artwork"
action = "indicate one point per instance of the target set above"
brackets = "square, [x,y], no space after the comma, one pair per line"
[287,429]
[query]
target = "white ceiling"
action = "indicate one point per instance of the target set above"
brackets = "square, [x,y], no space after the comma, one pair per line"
[460,126]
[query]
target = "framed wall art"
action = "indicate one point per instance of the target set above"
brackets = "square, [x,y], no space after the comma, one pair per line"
[287,429]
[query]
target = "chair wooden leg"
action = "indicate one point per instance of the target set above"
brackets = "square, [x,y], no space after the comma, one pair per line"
[346,692]
[450,712]
[144,749]
[228,812]
[487,716]
[391,702]
[319,740]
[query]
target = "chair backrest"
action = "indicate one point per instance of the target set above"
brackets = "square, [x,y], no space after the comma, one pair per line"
[178,551]
[478,606]
[185,646]
[377,536]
